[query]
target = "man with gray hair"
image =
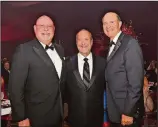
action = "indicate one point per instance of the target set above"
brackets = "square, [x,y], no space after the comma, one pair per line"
[37,79]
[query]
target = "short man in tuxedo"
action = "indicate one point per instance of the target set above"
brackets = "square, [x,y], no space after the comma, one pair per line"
[123,75]
[36,79]
[85,84]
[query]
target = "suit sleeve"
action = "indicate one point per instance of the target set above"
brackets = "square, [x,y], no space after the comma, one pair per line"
[17,79]
[134,69]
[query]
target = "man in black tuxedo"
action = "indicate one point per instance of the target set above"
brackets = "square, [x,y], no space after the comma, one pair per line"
[36,79]
[85,84]
[123,74]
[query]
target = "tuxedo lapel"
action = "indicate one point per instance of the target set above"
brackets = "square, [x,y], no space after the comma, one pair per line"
[118,44]
[77,74]
[40,51]
[60,53]
[114,50]
[94,73]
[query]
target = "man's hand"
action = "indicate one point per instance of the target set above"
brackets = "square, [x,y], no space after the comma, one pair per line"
[126,120]
[24,123]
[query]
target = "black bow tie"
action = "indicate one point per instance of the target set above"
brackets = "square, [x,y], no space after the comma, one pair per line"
[111,43]
[49,47]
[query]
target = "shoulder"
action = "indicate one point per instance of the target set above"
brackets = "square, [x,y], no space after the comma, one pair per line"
[70,59]
[129,40]
[100,58]
[70,62]
[27,44]
[24,49]
[145,81]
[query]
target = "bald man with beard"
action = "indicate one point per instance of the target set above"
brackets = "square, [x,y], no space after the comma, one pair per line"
[37,79]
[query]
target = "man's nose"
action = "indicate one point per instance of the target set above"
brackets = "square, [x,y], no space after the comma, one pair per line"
[83,43]
[108,26]
[46,28]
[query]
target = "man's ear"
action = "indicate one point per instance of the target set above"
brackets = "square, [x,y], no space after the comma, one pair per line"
[34,27]
[120,24]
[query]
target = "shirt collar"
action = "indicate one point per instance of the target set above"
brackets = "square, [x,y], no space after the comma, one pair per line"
[44,45]
[116,37]
[82,57]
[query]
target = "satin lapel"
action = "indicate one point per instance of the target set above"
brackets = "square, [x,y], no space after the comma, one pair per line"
[39,50]
[77,74]
[94,73]
[106,56]
[62,70]
[118,44]
[60,53]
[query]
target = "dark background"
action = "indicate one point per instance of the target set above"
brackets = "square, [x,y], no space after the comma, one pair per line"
[17,19]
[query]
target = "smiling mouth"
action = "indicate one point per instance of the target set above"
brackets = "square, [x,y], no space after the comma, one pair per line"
[45,33]
[83,46]
[109,30]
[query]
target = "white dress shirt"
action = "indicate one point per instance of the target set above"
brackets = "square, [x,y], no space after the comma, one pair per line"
[114,40]
[54,56]
[81,63]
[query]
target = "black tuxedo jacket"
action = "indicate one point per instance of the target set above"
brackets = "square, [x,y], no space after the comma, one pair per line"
[124,77]
[34,86]
[85,105]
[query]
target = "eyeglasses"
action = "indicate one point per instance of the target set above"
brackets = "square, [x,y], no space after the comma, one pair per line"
[44,26]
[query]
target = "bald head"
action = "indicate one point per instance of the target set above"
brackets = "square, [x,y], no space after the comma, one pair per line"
[112,14]
[111,24]
[44,29]
[44,18]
